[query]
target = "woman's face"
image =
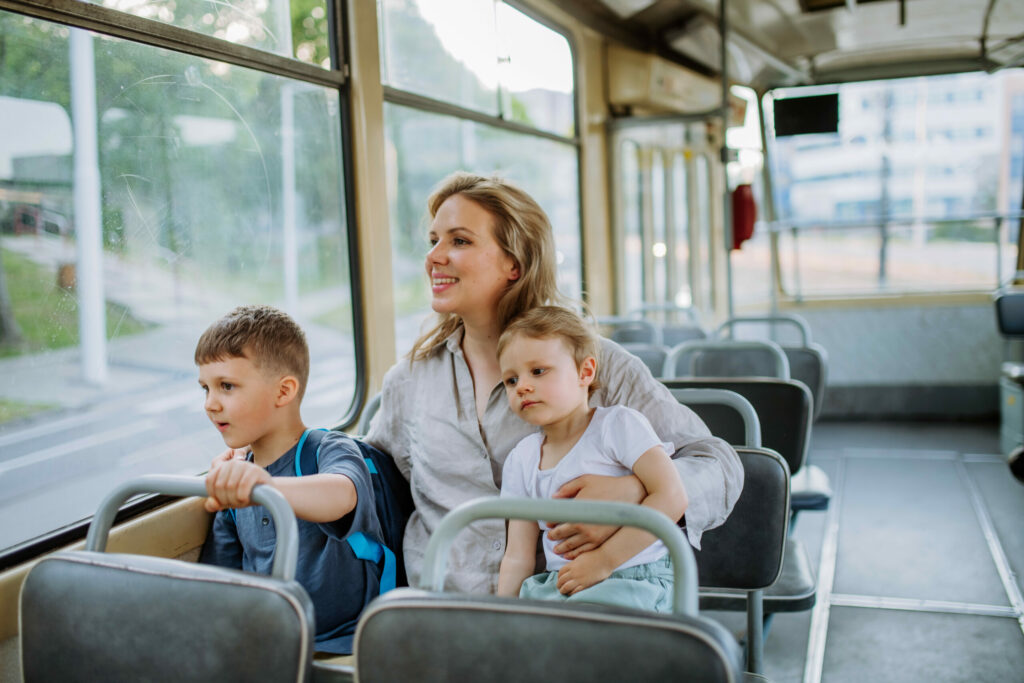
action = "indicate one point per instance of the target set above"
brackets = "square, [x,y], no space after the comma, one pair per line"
[468,270]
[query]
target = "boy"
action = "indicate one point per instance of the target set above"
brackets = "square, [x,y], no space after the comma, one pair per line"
[253,367]
[548,360]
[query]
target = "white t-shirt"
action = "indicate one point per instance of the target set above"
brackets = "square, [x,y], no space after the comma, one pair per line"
[614,440]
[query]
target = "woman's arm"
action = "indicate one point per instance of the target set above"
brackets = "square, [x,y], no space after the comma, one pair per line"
[520,556]
[708,466]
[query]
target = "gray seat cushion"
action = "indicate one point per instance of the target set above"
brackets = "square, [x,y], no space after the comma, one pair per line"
[107,617]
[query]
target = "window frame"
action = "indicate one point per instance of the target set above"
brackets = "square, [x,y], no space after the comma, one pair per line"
[114,23]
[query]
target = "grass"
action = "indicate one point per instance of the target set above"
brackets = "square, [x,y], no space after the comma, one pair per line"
[12,410]
[48,314]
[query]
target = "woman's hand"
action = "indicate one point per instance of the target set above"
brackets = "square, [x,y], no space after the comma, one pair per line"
[580,538]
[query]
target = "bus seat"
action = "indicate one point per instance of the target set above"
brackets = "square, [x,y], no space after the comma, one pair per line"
[808,361]
[809,364]
[450,637]
[786,412]
[745,554]
[95,616]
[653,355]
[726,358]
[372,406]
[629,330]
[673,335]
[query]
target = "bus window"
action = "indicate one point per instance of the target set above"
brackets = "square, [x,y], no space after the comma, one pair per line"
[422,149]
[917,181]
[630,250]
[703,237]
[197,186]
[680,288]
[295,29]
[658,246]
[428,139]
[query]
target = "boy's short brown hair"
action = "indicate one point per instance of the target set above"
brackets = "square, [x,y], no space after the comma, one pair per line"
[263,334]
[543,322]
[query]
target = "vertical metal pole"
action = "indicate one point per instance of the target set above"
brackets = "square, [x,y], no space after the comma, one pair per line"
[883,274]
[775,286]
[999,250]
[723,30]
[289,205]
[92,314]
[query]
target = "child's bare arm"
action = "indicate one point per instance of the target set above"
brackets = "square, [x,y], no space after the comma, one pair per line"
[666,494]
[315,498]
[520,556]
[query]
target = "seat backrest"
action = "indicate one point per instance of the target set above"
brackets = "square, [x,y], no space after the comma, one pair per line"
[446,637]
[653,355]
[372,406]
[726,358]
[784,408]
[95,616]
[429,637]
[672,335]
[809,364]
[629,330]
[767,327]
[746,551]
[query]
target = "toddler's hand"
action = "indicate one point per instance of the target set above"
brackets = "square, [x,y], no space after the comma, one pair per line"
[583,572]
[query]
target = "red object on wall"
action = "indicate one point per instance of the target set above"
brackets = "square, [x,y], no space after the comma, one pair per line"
[744,213]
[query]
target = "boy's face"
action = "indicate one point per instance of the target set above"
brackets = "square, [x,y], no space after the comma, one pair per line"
[240,399]
[541,379]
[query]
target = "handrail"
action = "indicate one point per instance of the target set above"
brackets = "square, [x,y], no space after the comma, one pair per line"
[781,362]
[791,318]
[684,566]
[872,222]
[285,556]
[713,396]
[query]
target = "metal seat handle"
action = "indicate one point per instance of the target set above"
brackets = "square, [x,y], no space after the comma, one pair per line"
[684,565]
[285,556]
[712,396]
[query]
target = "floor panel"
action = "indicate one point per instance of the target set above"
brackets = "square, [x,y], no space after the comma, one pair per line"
[887,645]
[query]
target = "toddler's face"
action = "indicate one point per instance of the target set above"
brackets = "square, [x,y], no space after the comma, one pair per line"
[541,379]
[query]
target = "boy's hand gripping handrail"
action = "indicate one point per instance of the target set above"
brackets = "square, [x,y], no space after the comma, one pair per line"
[583,511]
[287,551]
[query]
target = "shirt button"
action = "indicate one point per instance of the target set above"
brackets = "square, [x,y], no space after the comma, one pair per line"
[266,521]
[496,545]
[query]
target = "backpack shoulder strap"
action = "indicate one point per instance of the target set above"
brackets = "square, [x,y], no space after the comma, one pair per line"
[307,452]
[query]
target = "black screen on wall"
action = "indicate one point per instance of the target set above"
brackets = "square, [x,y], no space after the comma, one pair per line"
[804,115]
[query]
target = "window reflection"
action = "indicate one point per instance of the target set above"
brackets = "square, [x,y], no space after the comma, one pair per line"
[192,202]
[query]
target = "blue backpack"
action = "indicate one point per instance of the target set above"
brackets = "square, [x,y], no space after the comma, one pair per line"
[393,503]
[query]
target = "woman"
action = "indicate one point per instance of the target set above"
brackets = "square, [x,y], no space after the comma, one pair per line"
[444,416]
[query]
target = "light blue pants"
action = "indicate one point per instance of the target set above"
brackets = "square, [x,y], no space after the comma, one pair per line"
[645,586]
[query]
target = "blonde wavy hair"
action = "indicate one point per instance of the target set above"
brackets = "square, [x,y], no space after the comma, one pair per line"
[522,230]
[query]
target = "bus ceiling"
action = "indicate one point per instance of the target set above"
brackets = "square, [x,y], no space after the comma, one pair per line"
[781,43]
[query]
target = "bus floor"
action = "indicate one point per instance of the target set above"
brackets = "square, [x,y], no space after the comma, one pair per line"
[919,559]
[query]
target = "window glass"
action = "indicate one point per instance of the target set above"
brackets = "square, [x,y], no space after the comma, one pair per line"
[631,258]
[535,73]
[658,248]
[211,186]
[296,29]
[443,49]
[681,293]
[423,148]
[913,182]
[704,236]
